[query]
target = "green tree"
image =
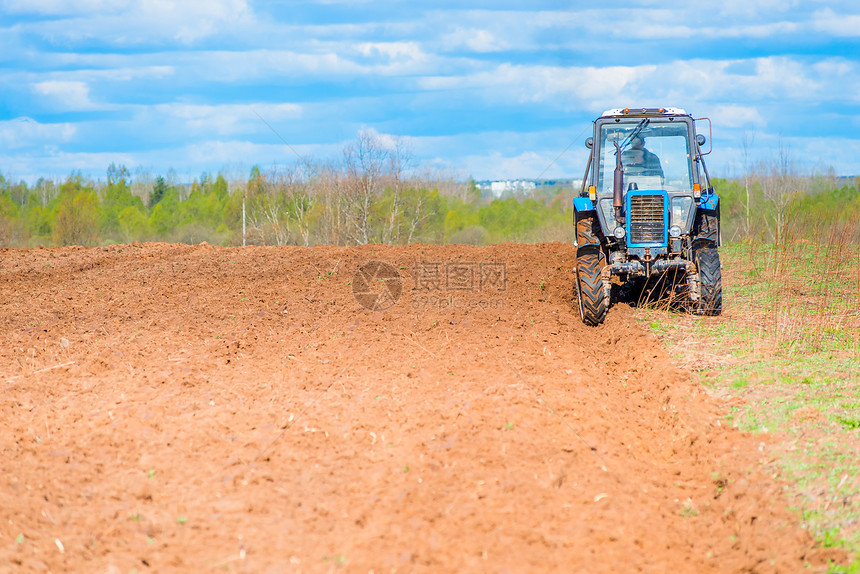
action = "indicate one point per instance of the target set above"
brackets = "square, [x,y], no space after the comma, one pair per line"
[133,224]
[39,221]
[165,216]
[220,188]
[76,215]
[116,197]
[11,229]
[159,189]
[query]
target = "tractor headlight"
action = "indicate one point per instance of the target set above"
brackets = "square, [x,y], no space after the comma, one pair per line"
[681,207]
[619,232]
[675,231]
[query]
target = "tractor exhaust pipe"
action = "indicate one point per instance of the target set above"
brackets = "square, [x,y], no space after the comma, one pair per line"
[618,186]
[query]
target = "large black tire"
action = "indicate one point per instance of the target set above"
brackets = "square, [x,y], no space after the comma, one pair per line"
[589,289]
[711,278]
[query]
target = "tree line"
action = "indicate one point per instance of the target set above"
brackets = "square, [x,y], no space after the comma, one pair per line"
[371,194]
[774,202]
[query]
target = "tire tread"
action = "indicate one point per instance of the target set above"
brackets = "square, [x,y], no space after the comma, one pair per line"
[593,299]
[710,275]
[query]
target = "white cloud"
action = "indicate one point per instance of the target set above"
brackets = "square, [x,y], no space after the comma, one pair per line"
[640,24]
[673,83]
[392,57]
[530,164]
[715,81]
[524,163]
[809,155]
[781,74]
[234,155]
[843,25]
[330,61]
[473,40]
[391,50]
[190,21]
[64,7]
[746,9]
[484,41]
[756,31]
[57,164]
[496,30]
[140,22]
[836,68]
[736,116]
[557,152]
[565,87]
[388,141]
[123,74]
[234,67]
[22,133]
[228,119]
[69,96]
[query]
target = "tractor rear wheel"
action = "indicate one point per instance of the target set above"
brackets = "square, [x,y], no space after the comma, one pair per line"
[589,289]
[711,280]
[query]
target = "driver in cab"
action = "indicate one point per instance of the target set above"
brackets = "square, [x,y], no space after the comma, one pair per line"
[638,160]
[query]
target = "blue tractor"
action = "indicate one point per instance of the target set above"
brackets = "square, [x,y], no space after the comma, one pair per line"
[647,209]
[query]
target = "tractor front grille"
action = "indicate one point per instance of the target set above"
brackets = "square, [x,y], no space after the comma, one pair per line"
[646,219]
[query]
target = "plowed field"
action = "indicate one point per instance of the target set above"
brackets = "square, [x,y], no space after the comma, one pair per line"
[193,408]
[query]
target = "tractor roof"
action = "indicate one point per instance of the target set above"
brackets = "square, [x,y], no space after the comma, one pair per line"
[644,112]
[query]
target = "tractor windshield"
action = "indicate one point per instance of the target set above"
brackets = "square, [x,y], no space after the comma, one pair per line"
[655,155]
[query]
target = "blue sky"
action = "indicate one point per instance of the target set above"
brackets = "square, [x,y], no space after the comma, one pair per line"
[484,89]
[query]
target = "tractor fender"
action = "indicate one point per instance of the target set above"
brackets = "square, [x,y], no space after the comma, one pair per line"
[589,249]
[582,204]
[703,243]
[706,226]
[709,201]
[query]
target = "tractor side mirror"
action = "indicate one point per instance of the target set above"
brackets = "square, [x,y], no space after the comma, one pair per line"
[700,139]
[589,143]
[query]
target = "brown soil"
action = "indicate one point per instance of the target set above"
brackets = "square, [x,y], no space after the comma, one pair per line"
[189,408]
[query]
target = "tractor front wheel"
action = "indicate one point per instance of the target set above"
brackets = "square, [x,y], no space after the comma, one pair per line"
[711,280]
[589,289]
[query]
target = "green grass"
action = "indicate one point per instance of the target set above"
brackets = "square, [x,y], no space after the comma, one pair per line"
[788,342]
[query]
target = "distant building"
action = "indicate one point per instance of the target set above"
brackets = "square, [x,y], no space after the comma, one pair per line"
[510,186]
[507,187]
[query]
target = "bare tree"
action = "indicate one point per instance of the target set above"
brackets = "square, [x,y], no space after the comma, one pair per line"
[328,184]
[417,216]
[267,211]
[141,184]
[304,195]
[46,190]
[364,162]
[399,163]
[779,185]
[373,166]
[747,142]
[302,205]
[278,227]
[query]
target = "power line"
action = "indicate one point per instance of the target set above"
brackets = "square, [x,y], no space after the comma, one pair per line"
[564,151]
[286,143]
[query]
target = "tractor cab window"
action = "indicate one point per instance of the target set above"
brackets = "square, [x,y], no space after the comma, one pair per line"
[655,155]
